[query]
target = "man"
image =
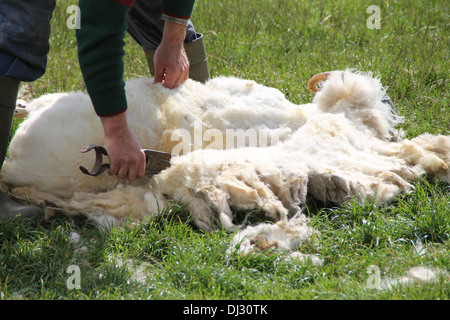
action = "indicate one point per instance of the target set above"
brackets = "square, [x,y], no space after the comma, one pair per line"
[145,25]
[24,34]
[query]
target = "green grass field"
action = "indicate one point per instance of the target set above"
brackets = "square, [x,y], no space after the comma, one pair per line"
[279,43]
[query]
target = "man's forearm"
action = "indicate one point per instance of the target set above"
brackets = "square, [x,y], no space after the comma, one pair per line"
[174,33]
[114,125]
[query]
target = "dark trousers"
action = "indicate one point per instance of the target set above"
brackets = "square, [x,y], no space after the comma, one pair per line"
[146,26]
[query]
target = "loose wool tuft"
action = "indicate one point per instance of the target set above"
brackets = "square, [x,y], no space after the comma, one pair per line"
[240,147]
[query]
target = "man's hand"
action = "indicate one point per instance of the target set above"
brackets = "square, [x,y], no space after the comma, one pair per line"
[171,62]
[126,157]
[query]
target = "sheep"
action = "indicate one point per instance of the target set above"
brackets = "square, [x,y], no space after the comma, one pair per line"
[238,146]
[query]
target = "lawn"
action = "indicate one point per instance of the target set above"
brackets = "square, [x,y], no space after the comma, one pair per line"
[279,43]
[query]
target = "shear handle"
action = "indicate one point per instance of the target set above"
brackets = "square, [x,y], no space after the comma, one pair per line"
[156,161]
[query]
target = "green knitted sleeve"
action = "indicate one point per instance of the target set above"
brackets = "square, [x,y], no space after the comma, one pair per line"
[178,8]
[100,53]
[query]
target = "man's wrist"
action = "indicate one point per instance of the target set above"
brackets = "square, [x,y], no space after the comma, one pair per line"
[174,33]
[114,125]
[177,20]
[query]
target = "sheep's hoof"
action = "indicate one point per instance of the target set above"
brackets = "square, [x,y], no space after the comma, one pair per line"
[316,80]
[21,110]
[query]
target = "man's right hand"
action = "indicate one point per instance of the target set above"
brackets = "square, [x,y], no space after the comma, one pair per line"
[125,154]
[171,61]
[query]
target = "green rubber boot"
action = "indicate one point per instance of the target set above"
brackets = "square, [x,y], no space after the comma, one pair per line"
[196,54]
[8,95]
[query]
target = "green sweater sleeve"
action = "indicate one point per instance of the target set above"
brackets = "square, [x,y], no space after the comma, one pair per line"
[100,53]
[181,9]
[100,48]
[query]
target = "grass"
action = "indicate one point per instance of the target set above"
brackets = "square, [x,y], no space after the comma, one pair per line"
[280,43]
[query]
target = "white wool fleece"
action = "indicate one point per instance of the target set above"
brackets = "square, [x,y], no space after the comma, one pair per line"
[332,149]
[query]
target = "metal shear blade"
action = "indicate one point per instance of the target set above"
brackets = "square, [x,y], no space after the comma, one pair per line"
[99,167]
[156,161]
